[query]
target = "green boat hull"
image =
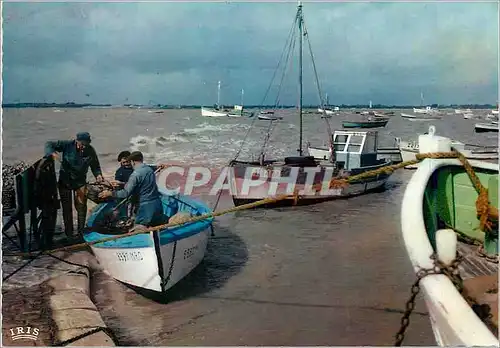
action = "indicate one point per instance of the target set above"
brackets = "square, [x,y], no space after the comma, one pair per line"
[450,202]
[367,124]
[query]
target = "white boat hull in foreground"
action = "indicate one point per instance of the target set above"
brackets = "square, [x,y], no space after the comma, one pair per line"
[409,150]
[157,260]
[453,321]
[121,263]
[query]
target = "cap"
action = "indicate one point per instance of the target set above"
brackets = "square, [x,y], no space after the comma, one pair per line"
[136,156]
[83,136]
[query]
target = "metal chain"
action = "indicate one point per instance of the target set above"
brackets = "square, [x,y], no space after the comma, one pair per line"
[169,275]
[481,252]
[451,271]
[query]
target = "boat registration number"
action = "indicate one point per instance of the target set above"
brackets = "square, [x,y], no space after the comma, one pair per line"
[190,252]
[125,256]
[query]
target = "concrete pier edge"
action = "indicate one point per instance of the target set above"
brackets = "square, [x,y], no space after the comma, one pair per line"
[72,310]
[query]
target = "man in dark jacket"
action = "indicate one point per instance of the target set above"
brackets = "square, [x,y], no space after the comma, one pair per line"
[77,156]
[142,183]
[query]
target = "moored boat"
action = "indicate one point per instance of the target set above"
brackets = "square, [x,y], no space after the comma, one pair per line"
[323,153]
[440,203]
[420,118]
[486,127]
[303,178]
[375,122]
[352,153]
[156,260]
[269,117]
[409,150]
[217,110]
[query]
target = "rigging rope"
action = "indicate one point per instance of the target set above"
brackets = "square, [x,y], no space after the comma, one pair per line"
[288,64]
[329,129]
[291,32]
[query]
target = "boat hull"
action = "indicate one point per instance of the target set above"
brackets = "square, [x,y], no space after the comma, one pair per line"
[409,151]
[326,111]
[269,118]
[319,153]
[453,321]
[206,112]
[243,192]
[155,261]
[368,124]
[485,127]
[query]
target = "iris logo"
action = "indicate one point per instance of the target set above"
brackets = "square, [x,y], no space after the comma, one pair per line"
[24,332]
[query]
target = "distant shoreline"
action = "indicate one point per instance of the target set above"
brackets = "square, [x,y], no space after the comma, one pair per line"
[135,106]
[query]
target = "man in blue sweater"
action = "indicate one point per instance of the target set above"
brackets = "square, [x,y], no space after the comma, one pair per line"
[77,156]
[142,182]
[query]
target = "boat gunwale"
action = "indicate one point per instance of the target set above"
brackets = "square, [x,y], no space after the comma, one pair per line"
[166,236]
[441,292]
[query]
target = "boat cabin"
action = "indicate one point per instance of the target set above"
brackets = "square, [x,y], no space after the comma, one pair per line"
[355,149]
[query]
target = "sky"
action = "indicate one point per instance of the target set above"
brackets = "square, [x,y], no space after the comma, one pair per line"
[174,53]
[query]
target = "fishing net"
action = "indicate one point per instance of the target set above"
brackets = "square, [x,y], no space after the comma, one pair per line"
[93,190]
[9,172]
[112,224]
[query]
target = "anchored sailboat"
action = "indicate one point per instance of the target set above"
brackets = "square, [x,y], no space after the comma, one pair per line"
[422,110]
[327,109]
[265,178]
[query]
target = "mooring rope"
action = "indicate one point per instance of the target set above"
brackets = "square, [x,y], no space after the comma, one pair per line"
[487,213]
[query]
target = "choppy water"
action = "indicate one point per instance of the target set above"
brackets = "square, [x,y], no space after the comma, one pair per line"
[330,274]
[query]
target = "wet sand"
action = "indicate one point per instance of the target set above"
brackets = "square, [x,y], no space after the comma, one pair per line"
[345,283]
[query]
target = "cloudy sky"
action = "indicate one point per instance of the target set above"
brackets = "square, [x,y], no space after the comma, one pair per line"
[174,53]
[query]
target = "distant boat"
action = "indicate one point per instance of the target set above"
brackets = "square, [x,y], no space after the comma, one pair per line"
[458,111]
[269,117]
[486,127]
[427,110]
[266,112]
[238,110]
[409,149]
[217,110]
[468,115]
[407,115]
[327,109]
[420,118]
[422,110]
[492,117]
[495,112]
[375,122]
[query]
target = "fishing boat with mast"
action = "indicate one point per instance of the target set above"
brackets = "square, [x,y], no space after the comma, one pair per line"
[221,111]
[270,174]
[422,109]
[327,109]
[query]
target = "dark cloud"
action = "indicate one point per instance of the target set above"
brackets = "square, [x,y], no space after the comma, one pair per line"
[176,52]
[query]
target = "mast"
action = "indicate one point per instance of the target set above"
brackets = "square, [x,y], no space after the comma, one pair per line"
[299,14]
[218,94]
[421,99]
[326,97]
[242,93]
